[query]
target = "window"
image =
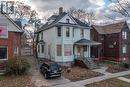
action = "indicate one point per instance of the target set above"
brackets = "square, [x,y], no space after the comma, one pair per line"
[42,36]
[16,50]
[124,35]
[67,20]
[124,48]
[42,48]
[67,31]
[73,32]
[38,48]
[3,52]
[59,50]
[68,49]
[3,32]
[59,31]
[82,33]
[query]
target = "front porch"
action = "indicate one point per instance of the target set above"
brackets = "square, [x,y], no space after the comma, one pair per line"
[82,53]
[82,48]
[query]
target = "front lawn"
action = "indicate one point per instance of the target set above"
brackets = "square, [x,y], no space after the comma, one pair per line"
[16,81]
[110,83]
[78,73]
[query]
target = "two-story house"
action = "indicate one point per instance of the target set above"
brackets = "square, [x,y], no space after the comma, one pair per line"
[115,39]
[10,39]
[64,38]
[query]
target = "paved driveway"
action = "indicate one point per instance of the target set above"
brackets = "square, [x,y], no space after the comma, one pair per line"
[39,80]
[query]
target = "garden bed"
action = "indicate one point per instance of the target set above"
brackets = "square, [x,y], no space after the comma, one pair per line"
[16,81]
[78,73]
[116,69]
[110,83]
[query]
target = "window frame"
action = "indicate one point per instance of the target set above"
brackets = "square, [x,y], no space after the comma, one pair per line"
[67,20]
[124,48]
[59,31]
[6,29]
[42,48]
[82,33]
[124,35]
[6,52]
[59,54]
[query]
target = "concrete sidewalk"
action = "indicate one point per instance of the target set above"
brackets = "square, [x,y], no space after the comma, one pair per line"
[93,80]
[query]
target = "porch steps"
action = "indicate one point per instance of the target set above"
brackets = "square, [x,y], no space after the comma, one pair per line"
[90,63]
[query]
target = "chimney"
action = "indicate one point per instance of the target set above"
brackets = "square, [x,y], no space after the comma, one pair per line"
[60,10]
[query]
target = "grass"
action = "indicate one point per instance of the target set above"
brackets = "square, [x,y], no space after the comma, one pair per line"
[110,83]
[16,81]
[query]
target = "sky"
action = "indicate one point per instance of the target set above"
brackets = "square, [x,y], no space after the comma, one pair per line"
[47,7]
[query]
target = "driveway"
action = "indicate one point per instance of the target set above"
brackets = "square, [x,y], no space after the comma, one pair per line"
[39,80]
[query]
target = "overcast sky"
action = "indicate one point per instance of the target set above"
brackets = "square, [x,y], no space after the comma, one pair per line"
[47,7]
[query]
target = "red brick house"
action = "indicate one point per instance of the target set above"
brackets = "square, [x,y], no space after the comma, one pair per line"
[10,38]
[115,39]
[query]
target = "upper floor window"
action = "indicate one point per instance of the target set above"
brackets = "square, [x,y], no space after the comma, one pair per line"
[82,33]
[59,31]
[67,31]
[42,48]
[3,32]
[42,36]
[73,32]
[124,35]
[67,20]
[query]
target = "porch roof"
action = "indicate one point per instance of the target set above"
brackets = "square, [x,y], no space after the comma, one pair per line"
[87,42]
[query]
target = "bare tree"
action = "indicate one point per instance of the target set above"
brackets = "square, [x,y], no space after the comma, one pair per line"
[82,14]
[122,7]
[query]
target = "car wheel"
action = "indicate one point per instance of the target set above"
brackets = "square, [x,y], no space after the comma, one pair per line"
[45,75]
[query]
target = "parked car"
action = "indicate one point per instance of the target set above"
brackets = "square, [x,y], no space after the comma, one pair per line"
[50,69]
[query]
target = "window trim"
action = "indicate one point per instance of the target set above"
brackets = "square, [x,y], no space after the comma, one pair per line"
[7,31]
[67,20]
[7,52]
[57,50]
[124,46]
[82,33]
[42,49]
[124,35]
[59,33]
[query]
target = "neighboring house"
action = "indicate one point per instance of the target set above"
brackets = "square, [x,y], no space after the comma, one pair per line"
[64,38]
[10,38]
[115,39]
[26,50]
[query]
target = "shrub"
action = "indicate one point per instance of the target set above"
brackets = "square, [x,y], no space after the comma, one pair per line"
[125,65]
[17,66]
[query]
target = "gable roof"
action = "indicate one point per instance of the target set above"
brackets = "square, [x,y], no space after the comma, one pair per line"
[109,29]
[56,18]
[13,22]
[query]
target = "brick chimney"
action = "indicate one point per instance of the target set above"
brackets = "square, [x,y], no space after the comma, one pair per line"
[60,10]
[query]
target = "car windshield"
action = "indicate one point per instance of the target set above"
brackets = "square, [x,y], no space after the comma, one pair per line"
[54,67]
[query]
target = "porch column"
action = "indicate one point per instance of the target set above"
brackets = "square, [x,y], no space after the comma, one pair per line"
[89,51]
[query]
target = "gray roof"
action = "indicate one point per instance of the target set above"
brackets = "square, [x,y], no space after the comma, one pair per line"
[56,18]
[86,42]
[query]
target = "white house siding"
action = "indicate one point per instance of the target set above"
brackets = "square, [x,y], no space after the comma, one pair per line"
[49,39]
[63,20]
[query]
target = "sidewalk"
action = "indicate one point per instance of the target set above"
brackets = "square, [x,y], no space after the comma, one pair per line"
[93,80]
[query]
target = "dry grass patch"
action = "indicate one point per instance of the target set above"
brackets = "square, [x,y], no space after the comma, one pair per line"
[78,73]
[16,81]
[110,83]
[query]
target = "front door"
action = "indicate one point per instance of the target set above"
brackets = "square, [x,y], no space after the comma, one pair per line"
[80,51]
